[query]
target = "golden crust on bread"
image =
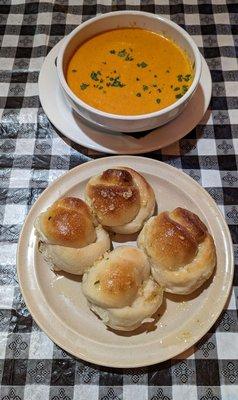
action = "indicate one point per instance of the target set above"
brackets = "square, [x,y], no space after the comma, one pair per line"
[181,251]
[170,243]
[119,279]
[68,222]
[120,290]
[121,199]
[190,222]
[114,197]
[114,280]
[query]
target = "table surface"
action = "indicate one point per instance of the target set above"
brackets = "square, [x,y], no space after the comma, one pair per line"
[33,154]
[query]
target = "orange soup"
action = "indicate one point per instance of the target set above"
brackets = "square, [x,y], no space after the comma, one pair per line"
[129,71]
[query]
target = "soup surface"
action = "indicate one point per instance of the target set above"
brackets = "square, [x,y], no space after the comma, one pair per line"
[129,71]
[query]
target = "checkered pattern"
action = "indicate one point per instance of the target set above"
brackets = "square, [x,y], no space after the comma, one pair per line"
[33,154]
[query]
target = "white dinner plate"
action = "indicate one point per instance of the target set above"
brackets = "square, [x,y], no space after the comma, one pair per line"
[58,306]
[71,125]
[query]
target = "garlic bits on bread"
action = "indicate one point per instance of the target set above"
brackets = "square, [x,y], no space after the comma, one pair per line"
[70,239]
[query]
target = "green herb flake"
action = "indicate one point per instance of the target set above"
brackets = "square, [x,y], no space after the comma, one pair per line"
[185,88]
[95,75]
[176,88]
[167,71]
[154,85]
[100,87]
[155,76]
[145,88]
[172,86]
[180,78]
[159,90]
[187,77]
[137,79]
[129,58]
[104,62]
[74,70]
[178,96]
[142,65]
[117,83]
[115,71]
[84,86]
[138,94]
[158,101]
[113,51]
[122,53]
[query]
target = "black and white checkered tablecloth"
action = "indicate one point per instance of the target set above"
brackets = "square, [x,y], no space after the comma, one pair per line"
[33,155]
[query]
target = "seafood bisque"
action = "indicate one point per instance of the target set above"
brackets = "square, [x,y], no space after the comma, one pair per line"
[129,71]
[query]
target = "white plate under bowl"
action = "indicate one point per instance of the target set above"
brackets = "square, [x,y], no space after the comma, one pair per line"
[71,125]
[57,303]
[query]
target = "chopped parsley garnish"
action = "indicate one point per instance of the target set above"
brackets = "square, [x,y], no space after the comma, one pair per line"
[129,58]
[142,65]
[176,88]
[138,94]
[122,53]
[95,75]
[84,86]
[158,101]
[178,96]
[145,87]
[187,77]
[185,88]
[115,82]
